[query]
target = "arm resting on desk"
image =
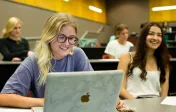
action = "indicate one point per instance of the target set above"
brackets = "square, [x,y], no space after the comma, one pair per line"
[111,56]
[13,100]
[124,94]
[123,65]
[165,85]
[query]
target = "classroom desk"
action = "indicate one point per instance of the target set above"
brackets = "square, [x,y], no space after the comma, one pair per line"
[6,70]
[149,105]
[140,105]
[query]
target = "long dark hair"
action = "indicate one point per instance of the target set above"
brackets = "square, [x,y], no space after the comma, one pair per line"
[161,54]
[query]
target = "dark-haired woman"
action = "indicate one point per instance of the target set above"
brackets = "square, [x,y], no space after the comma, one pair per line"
[146,69]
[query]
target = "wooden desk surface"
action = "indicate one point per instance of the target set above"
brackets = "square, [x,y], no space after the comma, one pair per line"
[149,105]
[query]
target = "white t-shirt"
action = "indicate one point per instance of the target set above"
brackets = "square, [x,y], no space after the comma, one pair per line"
[115,49]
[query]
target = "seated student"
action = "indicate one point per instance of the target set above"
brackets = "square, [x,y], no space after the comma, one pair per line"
[147,69]
[12,46]
[54,53]
[143,24]
[120,45]
[166,27]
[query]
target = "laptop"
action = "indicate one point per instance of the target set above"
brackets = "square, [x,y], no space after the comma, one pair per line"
[88,91]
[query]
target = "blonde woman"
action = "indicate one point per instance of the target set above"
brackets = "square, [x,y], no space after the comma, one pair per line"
[12,46]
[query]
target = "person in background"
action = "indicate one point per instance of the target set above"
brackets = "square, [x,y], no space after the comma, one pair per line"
[120,45]
[12,46]
[143,24]
[56,52]
[147,69]
[166,27]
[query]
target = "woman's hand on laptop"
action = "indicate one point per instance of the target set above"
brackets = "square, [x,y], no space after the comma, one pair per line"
[120,104]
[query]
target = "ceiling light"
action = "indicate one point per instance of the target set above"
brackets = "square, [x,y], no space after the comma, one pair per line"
[164,8]
[95,9]
[66,0]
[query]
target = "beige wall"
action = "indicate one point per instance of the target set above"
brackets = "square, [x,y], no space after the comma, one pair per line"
[129,12]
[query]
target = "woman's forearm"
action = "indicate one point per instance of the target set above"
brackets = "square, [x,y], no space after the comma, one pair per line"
[13,100]
[125,94]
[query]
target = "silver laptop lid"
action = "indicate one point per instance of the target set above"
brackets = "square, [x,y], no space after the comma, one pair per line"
[92,91]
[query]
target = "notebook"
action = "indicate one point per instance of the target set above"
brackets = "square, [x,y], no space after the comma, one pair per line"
[91,91]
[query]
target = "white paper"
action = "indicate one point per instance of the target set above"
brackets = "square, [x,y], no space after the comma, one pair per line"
[37,109]
[14,110]
[169,101]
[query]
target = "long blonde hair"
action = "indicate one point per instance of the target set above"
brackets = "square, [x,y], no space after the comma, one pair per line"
[11,23]
[43,51]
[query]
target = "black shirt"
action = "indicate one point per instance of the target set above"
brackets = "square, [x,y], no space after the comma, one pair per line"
[11,48]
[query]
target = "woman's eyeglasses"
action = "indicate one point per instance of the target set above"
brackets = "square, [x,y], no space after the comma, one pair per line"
[72,40]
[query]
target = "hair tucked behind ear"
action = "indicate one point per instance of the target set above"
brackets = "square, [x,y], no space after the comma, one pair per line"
[43,51]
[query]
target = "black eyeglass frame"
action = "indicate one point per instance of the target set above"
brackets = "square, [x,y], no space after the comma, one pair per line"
[69,38]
